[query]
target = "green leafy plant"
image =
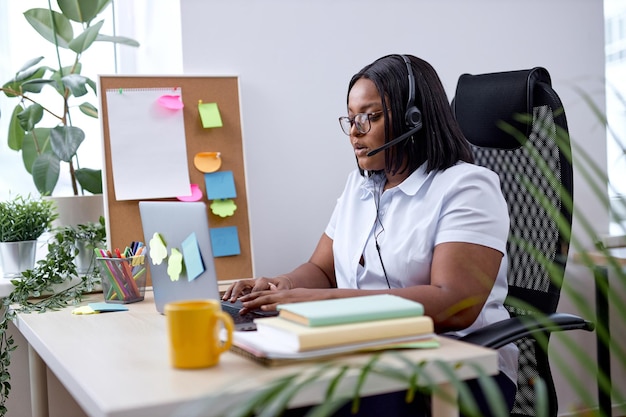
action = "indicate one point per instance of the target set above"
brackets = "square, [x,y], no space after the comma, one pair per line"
[44,148]
[36,292]
[23,218]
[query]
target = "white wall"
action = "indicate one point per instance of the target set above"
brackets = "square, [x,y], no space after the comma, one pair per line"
[295,59]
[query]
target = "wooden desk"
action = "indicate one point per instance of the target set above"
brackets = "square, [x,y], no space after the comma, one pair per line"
[600,267]
[117,364]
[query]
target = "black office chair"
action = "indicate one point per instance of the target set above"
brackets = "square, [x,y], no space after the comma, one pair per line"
[517,126]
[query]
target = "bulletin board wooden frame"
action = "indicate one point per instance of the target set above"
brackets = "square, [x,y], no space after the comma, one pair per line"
[123,220]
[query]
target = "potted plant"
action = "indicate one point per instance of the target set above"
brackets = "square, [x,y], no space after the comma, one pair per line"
[54,282]
[85,237]
[22,221]
[47,146]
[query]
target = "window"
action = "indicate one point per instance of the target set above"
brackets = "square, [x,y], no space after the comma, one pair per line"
[155,24]
[615,48]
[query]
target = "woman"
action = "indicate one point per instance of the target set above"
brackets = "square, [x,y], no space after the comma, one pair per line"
[416,219]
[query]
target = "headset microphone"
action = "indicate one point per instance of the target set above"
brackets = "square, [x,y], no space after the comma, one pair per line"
[412,116]
[397,140]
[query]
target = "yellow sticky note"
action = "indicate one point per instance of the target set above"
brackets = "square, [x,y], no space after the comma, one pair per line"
[84,310]
[210,115]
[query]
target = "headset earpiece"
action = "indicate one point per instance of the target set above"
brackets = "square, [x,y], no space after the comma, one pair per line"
[413,115]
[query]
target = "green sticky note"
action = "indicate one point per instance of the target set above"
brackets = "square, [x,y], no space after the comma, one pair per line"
[175,264]
[223,208]
[210,115]
[158,250]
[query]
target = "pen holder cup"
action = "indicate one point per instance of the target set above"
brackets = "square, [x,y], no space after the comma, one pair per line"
[123,279]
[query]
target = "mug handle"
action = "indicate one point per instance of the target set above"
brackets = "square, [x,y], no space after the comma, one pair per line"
[229,325]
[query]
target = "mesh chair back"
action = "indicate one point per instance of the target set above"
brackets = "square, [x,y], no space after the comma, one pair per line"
[517,127]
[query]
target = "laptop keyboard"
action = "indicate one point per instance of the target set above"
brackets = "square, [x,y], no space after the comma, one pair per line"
[244,322]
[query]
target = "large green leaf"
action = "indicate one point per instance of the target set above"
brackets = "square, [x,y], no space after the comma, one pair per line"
[89,109]
[30,73]
[30,116]
[81,11]
[90,179]
[85,39]
[45,172]
[102,4]
[91,83]
[122,40]
[76,84]
[71,69]
[30,63]
[65,141]
[35,86]
[48,23]
[16,133]
[21,77]
[34,144]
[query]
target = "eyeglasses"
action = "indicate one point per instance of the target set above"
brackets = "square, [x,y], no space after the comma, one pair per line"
[362,121]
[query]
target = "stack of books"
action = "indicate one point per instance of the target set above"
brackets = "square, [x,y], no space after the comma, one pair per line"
[316,329]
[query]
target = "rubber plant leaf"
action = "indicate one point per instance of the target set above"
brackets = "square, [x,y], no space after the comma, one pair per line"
[89,109]
[65,141]
[46,170]
[16,132]
[76,83]
[35,86]
[85,39]
[90,179]
[35,143]
[81,11]
[15,85]
[51,25]
[57,76]
[122,40]
[30,116]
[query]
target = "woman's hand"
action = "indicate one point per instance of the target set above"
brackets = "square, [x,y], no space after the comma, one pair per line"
[252,285]
[268,300]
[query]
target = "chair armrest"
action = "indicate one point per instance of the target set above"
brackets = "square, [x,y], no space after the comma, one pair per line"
[503,332]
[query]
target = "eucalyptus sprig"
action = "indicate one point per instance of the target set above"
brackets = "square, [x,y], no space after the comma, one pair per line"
[35,291]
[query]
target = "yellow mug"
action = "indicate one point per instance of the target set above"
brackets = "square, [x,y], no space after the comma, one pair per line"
[193,329]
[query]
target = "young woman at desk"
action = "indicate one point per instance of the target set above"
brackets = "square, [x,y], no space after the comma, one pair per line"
[416,219]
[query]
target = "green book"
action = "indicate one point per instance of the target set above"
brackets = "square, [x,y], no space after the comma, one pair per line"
[350,310]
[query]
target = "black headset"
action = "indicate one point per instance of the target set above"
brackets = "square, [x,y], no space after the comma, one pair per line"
[413,115]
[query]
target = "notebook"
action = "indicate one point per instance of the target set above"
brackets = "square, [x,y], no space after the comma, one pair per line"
[176,222]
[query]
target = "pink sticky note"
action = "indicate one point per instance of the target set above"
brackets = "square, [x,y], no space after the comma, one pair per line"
[196,194]
[170,102]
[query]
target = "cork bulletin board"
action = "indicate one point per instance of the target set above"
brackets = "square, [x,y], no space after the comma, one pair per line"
[122,214]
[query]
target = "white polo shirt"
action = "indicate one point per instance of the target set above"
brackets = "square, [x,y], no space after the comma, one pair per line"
[464,203]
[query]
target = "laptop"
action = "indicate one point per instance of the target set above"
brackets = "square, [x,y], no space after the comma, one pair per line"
[176,222]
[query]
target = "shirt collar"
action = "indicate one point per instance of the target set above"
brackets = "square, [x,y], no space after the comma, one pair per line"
[410,186]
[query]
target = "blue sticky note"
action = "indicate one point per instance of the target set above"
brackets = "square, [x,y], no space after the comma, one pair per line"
[220,185]
[192,257]
[104,307]
[225,241]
